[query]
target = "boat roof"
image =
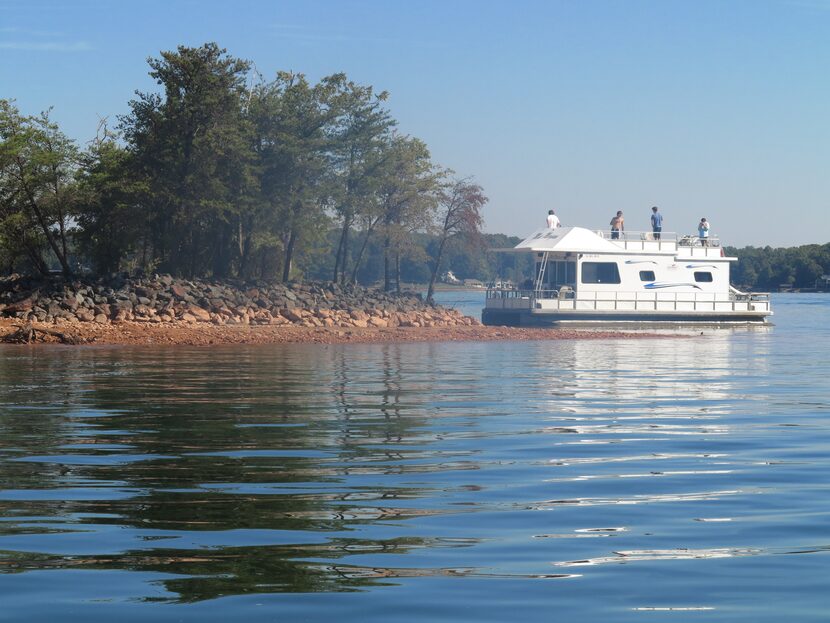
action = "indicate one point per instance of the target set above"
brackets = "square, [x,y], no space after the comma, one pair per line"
[566,240]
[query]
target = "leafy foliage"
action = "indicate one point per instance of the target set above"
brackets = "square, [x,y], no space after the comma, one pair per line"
[192,148]
[38,164]
[765,268]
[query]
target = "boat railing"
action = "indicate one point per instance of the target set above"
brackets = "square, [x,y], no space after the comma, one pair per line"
[747,296]
[697,241]
[666,236]
[508,293]
[666,240]
[566,299]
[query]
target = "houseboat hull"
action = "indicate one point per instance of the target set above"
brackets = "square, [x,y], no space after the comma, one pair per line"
[529,318]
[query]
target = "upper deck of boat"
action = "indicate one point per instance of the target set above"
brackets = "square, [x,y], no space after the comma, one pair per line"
[668,242]
[582,240]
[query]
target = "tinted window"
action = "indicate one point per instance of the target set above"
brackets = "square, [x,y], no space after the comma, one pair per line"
[646,275]
[561,273]
[600,272]
[703,277]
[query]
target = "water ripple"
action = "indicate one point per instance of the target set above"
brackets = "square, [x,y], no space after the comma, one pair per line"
[438,481]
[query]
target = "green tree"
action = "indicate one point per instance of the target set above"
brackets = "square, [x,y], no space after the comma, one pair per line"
[361,130]
[459,215]
[404,188]
[37,186]
[293,121]
[192,147]
[109,212]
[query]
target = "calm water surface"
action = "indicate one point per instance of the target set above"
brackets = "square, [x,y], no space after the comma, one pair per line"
[677,479]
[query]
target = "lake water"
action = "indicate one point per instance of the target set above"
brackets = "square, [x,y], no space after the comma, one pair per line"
[677,479]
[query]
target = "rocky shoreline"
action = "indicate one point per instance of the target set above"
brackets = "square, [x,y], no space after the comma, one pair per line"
[163,310]
[164,299]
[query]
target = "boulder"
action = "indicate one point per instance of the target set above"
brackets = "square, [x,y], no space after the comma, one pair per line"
[293,315]
[200,314]
[20,306]
[84,314]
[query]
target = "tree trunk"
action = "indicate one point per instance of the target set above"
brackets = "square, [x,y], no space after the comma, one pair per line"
[436,268]
[47,232]
[337,258]
[219,254]
[37,260]
[347,227]
[398,273]
[359,259]
[387,285]
[61,223]
[244,257]
[289,256]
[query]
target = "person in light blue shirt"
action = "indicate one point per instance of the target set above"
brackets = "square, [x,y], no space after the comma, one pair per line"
[703,232]
[656,223]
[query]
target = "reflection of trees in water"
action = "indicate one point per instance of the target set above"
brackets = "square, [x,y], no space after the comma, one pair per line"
[37,388]
[361,402]
[195,440]
[219,572]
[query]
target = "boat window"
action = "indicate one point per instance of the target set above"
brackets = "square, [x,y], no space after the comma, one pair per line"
[561,273]
[703,276]
[600,272]
[647,275]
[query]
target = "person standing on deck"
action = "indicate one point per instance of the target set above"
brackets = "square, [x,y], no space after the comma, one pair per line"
[703,232]
[617,225]
[656,223]
[553,220]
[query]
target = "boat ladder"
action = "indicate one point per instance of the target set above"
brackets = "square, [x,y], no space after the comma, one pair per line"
[540,276]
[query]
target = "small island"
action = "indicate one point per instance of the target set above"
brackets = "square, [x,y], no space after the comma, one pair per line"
[164,310]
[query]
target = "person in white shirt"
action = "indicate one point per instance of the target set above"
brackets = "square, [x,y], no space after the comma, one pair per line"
[553,220]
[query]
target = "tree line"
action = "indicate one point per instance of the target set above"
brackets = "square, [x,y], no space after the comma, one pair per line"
[221,173]
[767,268]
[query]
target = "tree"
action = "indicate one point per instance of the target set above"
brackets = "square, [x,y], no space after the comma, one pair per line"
[109,215]
[292,121]
[361,130]
[37,186]
[459,215]
[404,189]
[192,147]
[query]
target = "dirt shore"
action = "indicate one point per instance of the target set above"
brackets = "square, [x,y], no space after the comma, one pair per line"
[205,334]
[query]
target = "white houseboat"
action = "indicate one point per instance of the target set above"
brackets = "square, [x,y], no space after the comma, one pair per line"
[583,276]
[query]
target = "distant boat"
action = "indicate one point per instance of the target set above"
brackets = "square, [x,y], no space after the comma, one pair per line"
[449,277]
[583,276]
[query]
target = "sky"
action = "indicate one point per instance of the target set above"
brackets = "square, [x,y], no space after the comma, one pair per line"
[705,108]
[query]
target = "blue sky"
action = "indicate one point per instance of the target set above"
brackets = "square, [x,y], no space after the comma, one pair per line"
[705,108]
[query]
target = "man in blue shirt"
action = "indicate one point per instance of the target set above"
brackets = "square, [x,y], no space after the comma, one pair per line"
[656,223]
